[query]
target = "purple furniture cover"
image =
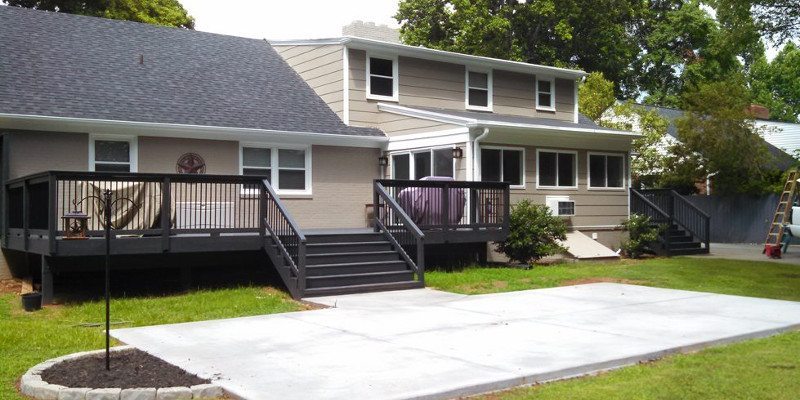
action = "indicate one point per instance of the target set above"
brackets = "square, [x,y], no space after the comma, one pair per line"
[424,204]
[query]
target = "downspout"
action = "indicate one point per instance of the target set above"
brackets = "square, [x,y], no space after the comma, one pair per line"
[476,154]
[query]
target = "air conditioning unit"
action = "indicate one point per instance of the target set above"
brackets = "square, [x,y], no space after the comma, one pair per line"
[560,206]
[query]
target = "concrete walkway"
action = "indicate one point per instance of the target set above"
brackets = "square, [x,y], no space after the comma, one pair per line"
[429,344]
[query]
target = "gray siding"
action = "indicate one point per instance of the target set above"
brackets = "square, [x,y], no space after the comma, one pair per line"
[321,67]
[32,152]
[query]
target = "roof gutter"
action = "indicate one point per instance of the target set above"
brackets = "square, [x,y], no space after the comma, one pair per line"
[83,125]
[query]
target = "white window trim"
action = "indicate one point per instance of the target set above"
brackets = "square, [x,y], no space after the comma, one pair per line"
[411,170]
[575,168]
[395,78]
[133,148]
[552,106]
[502,173]
[589,171]
[274,175]
[489,94]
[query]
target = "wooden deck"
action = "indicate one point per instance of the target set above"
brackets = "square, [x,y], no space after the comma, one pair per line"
[172,213]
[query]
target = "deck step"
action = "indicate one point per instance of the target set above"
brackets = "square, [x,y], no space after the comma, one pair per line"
[378,287]
[356,268]
[353,257]
[345,237]
[313,282]
[348,247]
[686,252]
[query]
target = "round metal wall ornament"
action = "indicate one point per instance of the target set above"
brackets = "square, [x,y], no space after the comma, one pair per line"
[191,163]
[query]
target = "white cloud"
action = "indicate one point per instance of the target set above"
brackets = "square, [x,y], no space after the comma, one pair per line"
[297,19]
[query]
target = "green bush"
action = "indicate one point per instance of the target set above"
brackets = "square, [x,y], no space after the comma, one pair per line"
[533,233]
[641,233]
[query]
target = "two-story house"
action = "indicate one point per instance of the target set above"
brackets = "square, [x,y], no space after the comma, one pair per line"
[511,121]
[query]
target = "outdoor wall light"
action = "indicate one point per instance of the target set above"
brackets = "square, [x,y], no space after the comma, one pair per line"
[458,152]
[383,161]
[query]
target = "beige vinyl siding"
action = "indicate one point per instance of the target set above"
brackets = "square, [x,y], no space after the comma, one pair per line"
[33,152]
[321,67]
[161,154]
[592,207]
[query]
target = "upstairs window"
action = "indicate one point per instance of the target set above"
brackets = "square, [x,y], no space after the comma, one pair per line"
[479,91]
[606,171]
[503,165]
[382,78]
[545,94]
[419,164]
[113,154]
[557,169]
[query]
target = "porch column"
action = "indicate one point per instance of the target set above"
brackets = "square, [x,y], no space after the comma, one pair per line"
[47,282]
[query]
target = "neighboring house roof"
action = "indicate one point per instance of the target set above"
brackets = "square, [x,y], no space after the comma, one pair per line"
[482,119]
[436,55]
[783,135]
[70,66]
[781,158]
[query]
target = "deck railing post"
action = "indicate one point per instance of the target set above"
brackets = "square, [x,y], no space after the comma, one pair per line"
[52,204]
[421,259]
[375,206]
[445,207]
[25,213]
[262,213]
[506,207]
[301,268]
[166,212]
[6,213]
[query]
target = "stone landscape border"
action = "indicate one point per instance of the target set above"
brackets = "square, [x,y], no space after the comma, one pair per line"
[33,386]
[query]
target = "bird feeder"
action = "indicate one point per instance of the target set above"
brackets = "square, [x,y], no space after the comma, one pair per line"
[75,225]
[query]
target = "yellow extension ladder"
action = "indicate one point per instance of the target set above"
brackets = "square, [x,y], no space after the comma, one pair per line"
[782,214]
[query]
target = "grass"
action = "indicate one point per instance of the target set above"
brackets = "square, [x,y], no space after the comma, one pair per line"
[29,338]
[759,369]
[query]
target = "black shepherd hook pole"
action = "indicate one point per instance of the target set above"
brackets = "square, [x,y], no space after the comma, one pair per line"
[107,212]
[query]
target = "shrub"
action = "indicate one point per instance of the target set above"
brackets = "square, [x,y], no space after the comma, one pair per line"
[533,233]
[641,233]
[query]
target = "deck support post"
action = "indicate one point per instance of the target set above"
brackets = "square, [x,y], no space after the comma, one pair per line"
[47,282]
[186,277]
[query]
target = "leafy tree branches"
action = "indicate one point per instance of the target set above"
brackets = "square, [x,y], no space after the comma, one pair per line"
[158,12]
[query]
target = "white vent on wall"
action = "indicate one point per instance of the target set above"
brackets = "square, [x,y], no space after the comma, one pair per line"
[560,206]
[203,215]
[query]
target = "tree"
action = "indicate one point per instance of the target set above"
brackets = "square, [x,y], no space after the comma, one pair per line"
[157,12]
[592,35]
[595,96]
[779,20]
[718,137]
[775,84]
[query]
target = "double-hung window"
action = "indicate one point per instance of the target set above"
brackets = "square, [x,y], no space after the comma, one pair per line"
[287,169]
[606,171]
[479,90]
[545,94]
[382,78]
[557,169]
[419,164]
[112,154]
[503,165]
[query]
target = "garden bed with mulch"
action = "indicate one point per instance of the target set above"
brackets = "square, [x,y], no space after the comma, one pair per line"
[129,369]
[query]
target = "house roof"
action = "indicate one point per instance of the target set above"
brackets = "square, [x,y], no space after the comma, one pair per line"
[781,159]
[436,55]
[70,66]
[483,119]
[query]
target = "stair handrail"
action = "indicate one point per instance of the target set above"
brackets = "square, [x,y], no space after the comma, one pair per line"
[635,194]
[701,230]
[283,224]
[380,194]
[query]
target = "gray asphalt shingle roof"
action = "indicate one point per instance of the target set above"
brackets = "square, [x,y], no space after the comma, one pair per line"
[62,65]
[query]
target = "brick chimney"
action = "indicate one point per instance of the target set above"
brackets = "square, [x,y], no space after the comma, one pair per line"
[369,30]
[758,111]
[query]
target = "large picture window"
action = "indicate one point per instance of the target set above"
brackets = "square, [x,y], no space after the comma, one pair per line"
[606,171]
[419,164]
[382,78]
[479,91]
[113,154]
[557,169]
[503,165]
[287,169]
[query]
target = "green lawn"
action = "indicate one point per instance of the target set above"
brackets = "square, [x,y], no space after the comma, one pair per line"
[29,338]
[759,369]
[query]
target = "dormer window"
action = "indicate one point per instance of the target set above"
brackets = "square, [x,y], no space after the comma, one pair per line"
[479,90]
[382,78]
[545,94]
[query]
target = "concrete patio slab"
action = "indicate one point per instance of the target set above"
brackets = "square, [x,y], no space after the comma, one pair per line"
[435,345]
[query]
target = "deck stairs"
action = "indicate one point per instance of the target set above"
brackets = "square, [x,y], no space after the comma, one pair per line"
[681,243]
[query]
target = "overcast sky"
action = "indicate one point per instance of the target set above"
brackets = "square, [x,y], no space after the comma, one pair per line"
[292,19]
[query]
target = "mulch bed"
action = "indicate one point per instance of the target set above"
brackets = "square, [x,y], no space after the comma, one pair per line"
[129,369]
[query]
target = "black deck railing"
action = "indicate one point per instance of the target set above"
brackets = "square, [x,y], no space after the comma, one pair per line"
[401,231]
[666,206]
[161,204]
[287,237]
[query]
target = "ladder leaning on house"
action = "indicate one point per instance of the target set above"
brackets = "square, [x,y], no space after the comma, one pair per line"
[777,227]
